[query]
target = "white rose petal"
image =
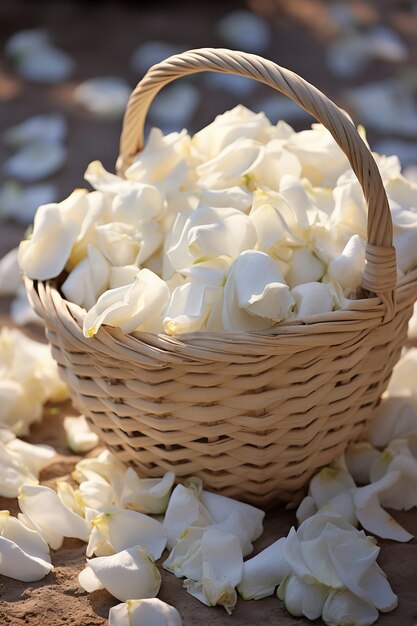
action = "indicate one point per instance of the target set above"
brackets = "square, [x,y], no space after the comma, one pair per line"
[222,565]
[330,482]
[129,574]
[16,563]
[52,128]
[221,507]
[370,513]
[229,127]
[46,65]
[106,96]
[146,495]
[264,572]
[255,294]
[80,437]
[184,510]
[126,244]
[105,466]
[301,599]
[305,267]
[207,233]
[55,231]
[343,608]
[70,497]
[232,197]
[88,280]
[50,517]
[35,457]
[231,165]
[306,509]
[359,458]
[403,494]
[133,307]
[36,160]
[124,529]
[395,416]
[10,275]
[162,162]
[312,298]
[141,612]
[123,275]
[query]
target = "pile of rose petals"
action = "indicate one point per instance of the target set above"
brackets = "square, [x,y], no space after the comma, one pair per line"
[242,226]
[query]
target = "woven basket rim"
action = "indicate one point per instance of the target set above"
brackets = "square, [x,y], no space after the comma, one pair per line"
[372,308]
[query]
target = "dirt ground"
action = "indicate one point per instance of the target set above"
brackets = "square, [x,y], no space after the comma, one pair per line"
[101,36]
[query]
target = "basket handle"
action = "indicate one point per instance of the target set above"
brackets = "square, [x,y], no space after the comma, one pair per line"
[380,276]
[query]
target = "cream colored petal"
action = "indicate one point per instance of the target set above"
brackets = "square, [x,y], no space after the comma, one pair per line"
[15,563]
[395,416]
[221,507]
[222,570]
[342,608]
[106,465]
[370,513]
[80,438]
[403,494]
[105,96]
[305,267]
[185,558]
[347,268]
[329,482]
[50,516]
[10,274]
[146,495]
[264,572]
[342,505]
[150,611]
[88,280]
[134,307]
[184,510]
[306,509]
[70,497]
[27,539]
[359,459]
[35,457]
[229,167]
[255,293]
[301,599]
[97,494]
[125,529]
[129,574]
[312,298]
[45,254]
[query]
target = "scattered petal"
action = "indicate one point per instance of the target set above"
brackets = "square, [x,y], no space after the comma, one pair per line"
[129,574]
[264,572]
[142,612]
[80,438]
[106,96]
[244,30]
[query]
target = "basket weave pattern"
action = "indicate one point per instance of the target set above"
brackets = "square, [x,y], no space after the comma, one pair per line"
[253,414]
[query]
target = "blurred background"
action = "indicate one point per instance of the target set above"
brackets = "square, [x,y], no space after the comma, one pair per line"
[66,70]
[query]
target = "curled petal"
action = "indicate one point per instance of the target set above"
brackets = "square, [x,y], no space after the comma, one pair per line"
[347,268]
[222,570]
[370,513]
[146,611]
[301,599]
[264,572]
[359,459]
[221,507]
[146,495]
[342,608]
[255,294]
[329,482]
[133,307]
[184,509]
[395,416]
[312,299]
[124,529]
[305,267]
[306,509]
[80,438]
[129,574]
[50,517]
[87,281]
[16,563]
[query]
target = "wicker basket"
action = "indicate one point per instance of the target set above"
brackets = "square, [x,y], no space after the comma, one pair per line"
[253,414]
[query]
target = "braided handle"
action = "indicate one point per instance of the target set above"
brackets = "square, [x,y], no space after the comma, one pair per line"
[380,273]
